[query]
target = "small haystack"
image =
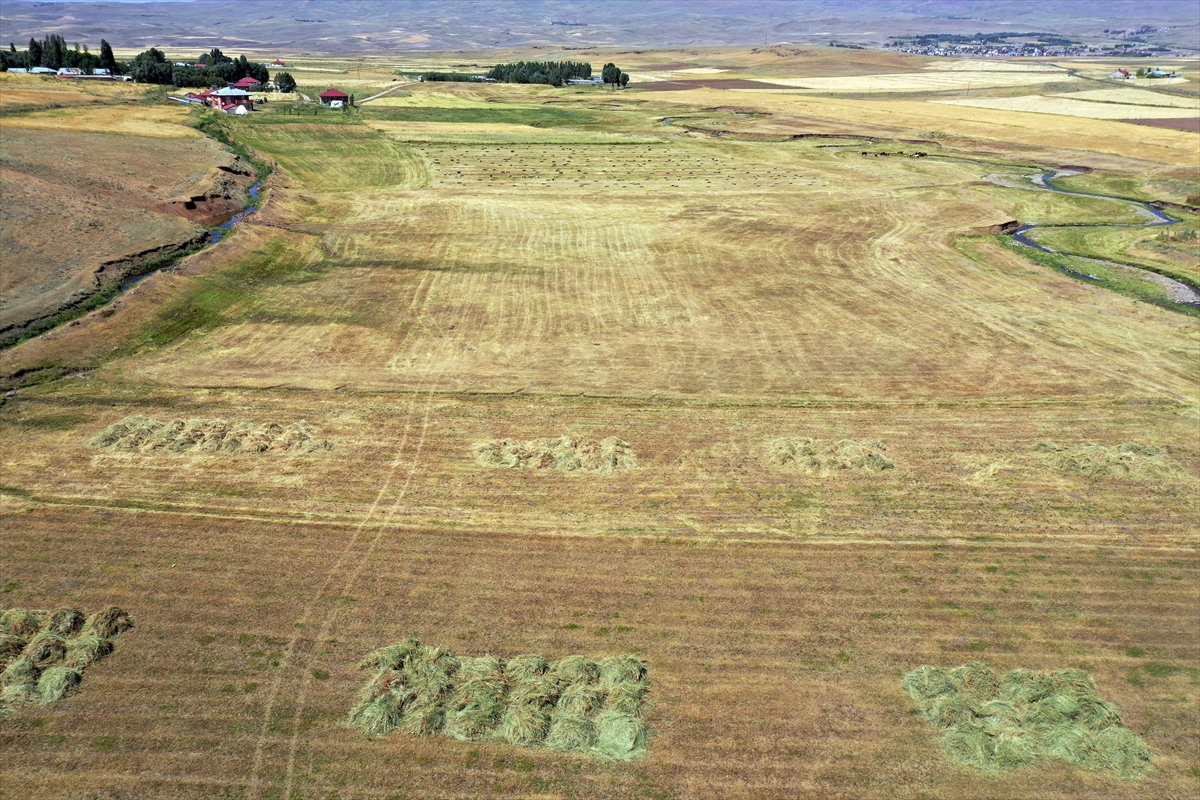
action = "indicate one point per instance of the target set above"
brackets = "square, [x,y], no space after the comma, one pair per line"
[994,722]
[575,705]
[1126,460]
[826,457]
[604,456]
[43,653]
[202,435]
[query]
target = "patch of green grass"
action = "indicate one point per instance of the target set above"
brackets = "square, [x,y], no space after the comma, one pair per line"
[533,116]
[11,586]
[106,742]
[213,300]
[206,640]
[1110,278]
[320,674]
[1133,651]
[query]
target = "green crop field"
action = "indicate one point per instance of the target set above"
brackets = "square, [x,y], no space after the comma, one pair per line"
[695,384]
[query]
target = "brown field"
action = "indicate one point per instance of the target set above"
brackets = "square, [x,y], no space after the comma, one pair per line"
[676,269]
[89,192]
[1183,124]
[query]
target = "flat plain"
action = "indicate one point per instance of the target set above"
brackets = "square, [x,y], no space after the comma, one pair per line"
[699,273]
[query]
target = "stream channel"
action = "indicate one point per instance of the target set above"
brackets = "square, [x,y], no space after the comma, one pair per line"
[1179,291]
[216,234]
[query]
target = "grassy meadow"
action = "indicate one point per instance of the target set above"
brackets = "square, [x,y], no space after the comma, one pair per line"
[700,273]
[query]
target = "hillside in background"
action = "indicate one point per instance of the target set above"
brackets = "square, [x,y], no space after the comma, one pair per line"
[326,26]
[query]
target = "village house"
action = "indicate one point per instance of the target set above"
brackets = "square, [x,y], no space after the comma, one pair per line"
[248,84]
[330,97]
[229,100]
[1120,75]
[277,63]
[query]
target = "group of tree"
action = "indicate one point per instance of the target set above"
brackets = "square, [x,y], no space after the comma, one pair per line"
[554,73]
[211,68]
[612,75]
[52,52]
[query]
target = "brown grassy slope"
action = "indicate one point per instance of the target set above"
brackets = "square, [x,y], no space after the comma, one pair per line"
[73,201]
[776,669]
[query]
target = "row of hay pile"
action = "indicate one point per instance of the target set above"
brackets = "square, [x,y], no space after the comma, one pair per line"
[44,653]
[562,453]
[1126,460]
[207,436]
[823,456]
[996,722]
[574,705]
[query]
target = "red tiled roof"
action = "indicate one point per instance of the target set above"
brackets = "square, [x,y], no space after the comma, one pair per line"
[247,81]
[333,93]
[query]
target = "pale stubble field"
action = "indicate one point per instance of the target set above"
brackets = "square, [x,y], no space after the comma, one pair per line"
[697,297]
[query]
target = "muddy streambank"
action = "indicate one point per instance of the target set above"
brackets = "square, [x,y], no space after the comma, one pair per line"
[222,207]
[1181,292]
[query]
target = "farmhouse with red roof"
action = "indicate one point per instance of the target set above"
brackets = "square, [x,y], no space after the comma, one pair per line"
[331,96]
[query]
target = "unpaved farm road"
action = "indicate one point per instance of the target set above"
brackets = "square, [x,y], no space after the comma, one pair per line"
[388,90]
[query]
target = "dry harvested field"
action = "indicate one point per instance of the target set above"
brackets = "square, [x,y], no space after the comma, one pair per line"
[725,379]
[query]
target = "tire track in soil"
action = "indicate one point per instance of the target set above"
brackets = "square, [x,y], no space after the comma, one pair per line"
[253,789]
[332,616]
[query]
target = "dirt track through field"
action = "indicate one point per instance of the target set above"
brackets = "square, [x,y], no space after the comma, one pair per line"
[330,617]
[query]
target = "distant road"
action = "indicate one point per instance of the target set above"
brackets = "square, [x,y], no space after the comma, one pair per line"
[385,91]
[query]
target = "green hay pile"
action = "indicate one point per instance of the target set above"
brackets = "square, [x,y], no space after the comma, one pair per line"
[43,653]
[574,705]
[1126,460]
[207,436]
[995,723]
[604,456]
[826,457]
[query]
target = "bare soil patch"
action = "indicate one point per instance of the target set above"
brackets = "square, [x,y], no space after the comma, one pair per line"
[1191,124]
[706,83]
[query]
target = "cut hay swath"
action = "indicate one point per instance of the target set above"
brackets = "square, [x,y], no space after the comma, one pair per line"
[574,705]
[207,436]
[826,457]
[604,456]
[993,722]
[1126,460]
[44,653]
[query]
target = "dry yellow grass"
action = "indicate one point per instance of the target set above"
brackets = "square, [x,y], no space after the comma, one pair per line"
[159,121]
[412,288]
[933,81]
[1070,107]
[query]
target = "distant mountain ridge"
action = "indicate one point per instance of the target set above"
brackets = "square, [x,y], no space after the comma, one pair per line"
[325,26]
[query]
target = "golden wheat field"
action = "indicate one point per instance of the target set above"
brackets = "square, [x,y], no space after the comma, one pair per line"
[743,383]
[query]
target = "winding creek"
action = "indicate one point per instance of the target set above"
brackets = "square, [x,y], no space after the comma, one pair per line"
[216,234]
[1178,291]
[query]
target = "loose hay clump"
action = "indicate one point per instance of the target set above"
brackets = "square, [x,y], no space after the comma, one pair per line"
[604,456]
[207,436]
[826,457]
[996,722]
[574,705]
[1126,460]
[43,653]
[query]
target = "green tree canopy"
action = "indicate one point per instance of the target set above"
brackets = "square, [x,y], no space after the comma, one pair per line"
[285,81]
